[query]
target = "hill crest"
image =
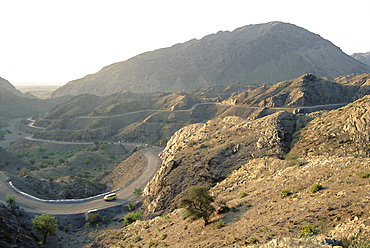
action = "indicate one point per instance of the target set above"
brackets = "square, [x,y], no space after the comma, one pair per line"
[261,53]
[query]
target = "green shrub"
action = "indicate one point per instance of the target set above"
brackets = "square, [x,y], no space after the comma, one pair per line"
[132,217]
[138,192]
[307,231]
[106,220]
[365,174]
[131,206]
[219,224]
[11,202]
[137,239]
[252,240]
[284,193]
[316,187]
[243,194]
[153,243]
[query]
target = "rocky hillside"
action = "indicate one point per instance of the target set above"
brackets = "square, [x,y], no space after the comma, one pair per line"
[306,90]
[152,118]
[122,116]
[272,201]
[263,53]
[341,132]
[363,57]
[206,153]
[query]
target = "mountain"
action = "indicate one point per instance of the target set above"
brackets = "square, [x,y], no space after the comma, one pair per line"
[363,57]
[261,174]
[262,53]
[4,84]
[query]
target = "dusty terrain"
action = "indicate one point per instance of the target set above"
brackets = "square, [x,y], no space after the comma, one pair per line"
[270,198]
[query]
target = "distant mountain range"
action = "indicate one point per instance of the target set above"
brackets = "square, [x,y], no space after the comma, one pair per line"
[363,57]
[262,53]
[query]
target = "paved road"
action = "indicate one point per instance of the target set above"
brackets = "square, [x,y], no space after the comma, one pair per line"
[124,195]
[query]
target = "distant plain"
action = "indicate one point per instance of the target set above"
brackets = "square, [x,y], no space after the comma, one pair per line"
[40,91]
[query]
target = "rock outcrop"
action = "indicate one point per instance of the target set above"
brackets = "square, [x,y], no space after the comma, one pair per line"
[206,153]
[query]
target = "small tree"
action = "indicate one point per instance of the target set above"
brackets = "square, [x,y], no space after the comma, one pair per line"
[138,192]
[45,224]
[11,203]
[197,203]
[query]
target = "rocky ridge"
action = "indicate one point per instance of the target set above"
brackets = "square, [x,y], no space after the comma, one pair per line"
[306,90]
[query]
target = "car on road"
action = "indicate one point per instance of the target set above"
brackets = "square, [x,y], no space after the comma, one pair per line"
[110,197]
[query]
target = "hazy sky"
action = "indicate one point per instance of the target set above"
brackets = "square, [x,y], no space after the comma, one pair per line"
[56,41]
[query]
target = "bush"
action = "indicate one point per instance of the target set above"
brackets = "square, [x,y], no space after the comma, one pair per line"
[307,231]
[138,192]
[132,217]
[153,243]
[284,193]
[243,194]
[137,239]
[11,203]
[252,240]
[316,187]
[131,207]
[365,174]
[219,224]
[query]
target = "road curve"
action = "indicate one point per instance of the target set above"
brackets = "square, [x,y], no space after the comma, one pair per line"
[124,194]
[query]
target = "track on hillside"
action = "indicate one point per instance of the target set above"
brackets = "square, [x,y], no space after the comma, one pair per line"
[124,195]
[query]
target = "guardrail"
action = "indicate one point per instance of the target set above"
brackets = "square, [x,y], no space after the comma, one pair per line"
[62,200]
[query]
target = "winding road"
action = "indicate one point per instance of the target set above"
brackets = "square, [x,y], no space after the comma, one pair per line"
[124,195]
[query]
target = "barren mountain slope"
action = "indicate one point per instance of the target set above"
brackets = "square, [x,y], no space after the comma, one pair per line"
[341,132]
[263,53]
[272,201]
[206,153]
[258,214]
[306,90]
